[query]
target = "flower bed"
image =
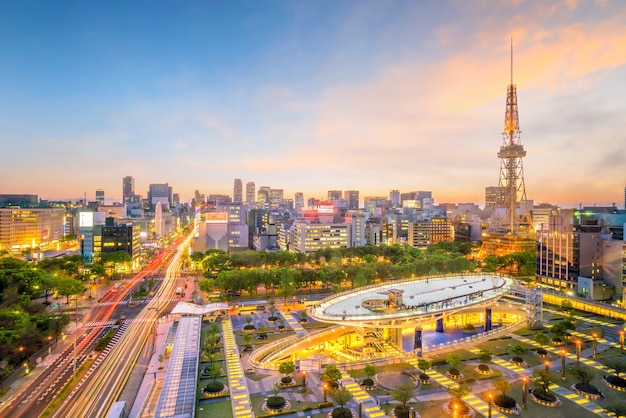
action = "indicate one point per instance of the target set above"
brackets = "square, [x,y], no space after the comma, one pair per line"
[544,399]
[506,405]
[368,384]
[587,391]
[400,412]
[455,374]
[215,389]
[463,412]
[518,361]
[483,369]
[340,413]
[543,353]
[615,383]
[275,404]
[424,378]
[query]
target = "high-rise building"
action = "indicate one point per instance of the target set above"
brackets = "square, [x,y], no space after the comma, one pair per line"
[237,228]
[238,191]
[510,227]
[160,193]
[352,199]
[334,195]
[250,193]
[128,190]
[394,197]
[275,197]
[493,195]
[299,202]
[100,196]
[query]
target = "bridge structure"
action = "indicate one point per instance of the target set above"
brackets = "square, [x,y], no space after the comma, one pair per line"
[404,303]
[368,322]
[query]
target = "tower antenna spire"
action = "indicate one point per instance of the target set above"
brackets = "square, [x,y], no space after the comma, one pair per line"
[511,60]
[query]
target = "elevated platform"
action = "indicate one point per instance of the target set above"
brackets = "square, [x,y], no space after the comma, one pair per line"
[409,302]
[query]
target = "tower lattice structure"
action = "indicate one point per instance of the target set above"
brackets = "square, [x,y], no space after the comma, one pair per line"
[510,227]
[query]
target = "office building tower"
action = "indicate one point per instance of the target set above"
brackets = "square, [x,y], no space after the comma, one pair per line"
[250,193]
[352,199]
[493,195]
[22,228]
[394,197]
[160,193]
[100,197]
[238,191]
[128,190]
[334,195]
[299,202]
[510,227]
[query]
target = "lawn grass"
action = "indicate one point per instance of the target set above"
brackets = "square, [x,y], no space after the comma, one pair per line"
[221,408]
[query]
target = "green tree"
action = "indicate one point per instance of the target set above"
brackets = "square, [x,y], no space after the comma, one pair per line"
[423,364]
[286,368]
[541,339]
[543,378]
[403,393]
[341,396]
[484,356]
[583,374]
[206,285]
[331,374]
[618,408]
[459,391]
[501,384]
[454,361]
[67,287]
[214,371]
[517,349]
[370,370]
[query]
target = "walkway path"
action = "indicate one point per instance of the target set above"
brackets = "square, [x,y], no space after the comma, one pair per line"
[237,383]
[294,323]
[566,393]
[371,408]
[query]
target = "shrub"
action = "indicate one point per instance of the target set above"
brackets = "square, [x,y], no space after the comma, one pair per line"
[275,402]
[342,413]
[483,367]
[424,376]
[249,327]
[546,397]
[542,352]
[272,318]
[324,405]
[368,382]
[616,381]
[402,411]
[214,387]
[454,372]
[505,401]
[286,380]
[587,388]
[517,359]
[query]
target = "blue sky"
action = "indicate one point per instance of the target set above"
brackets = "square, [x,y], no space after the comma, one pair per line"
[311,96]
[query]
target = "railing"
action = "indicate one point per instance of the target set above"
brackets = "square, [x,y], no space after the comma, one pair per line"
[471,338]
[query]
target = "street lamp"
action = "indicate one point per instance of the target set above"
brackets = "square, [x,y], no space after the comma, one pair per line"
[303,379]
[456,411]
[524,382]
[563,365]
[490,396]
[547,364]
[579,344]
[325,392]
[595,344]
[621,340]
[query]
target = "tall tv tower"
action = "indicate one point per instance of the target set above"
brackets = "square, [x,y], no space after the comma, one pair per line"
[510,227]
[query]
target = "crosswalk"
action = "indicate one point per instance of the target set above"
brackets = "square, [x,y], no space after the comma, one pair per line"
[370,408]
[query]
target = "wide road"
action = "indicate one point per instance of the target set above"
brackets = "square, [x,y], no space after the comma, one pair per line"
[93,396]
[37,392]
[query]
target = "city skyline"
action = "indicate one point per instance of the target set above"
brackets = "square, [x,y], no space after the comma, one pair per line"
[310,97]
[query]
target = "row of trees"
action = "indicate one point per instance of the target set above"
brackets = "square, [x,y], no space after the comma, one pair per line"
[283,273]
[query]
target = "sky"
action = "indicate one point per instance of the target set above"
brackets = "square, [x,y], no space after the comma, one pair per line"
[311,96]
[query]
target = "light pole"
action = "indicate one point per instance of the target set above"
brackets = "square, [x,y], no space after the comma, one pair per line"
[595,344]
[490,396]
[524,381]
[303,379]
[547,364]
[456,411]
[325,392]
[579,344]
[563,365]
[621,340]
